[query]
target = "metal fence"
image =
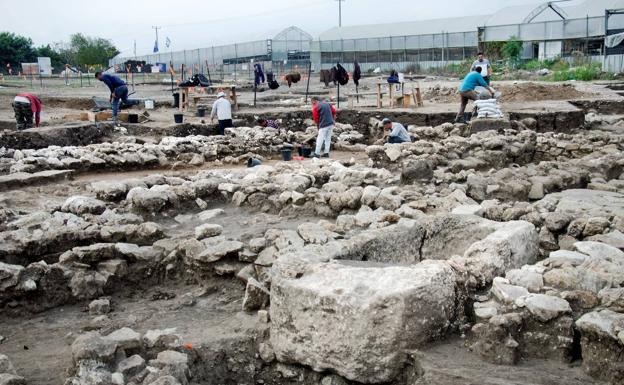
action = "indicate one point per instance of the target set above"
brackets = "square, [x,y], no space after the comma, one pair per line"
[396,52]
[287,51]
[548,30]
[291,49]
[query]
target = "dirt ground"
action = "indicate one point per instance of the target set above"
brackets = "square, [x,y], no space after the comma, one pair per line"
[60,101]
[511,93]
[39,344]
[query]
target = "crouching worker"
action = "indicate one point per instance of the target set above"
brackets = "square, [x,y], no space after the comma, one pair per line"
[268,123]
[467,92]
[395,132]
[26,106]
[324,115]
[118,89]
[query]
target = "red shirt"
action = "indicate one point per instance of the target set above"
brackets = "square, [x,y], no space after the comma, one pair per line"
[315,113]
[35,105]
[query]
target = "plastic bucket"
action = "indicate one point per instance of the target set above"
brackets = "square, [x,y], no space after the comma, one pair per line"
[300,150]
[176,99]
[253,162]
[133,118]
[287,155]
[201,112]
[178,118]
[149,104]
[307,152]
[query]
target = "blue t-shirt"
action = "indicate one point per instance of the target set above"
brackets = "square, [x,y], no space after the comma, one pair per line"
[112,81]
[471,81]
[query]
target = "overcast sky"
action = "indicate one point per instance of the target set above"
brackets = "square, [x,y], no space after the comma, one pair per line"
[202,23]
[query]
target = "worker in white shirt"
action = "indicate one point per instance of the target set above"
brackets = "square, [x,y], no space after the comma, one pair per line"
[222,109]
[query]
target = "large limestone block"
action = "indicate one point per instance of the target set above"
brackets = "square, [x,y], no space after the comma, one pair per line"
[512,245]
[357,319]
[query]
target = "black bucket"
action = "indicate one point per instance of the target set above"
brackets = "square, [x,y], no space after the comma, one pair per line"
[176,99]
[201,112]
[307,152]
[287,155]
[178,118]
[253,162]
[133,118]
[300,150]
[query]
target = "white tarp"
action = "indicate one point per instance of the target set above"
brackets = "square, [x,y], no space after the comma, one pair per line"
[614,40]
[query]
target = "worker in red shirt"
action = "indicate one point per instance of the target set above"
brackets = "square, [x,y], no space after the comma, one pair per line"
[26,106]
[324,115]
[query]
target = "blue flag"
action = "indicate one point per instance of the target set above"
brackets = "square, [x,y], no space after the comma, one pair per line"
[156,46]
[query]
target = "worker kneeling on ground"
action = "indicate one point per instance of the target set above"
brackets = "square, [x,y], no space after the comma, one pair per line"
[324,115]
[26,106]
[268,123]
[118,89]
[395,132]
[222,109]
[467,92]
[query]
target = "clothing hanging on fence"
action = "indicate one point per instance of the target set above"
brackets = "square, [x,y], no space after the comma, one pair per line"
[326,77]
[333,72]
[292,78]
[342,76]
[357,73]
[273,84]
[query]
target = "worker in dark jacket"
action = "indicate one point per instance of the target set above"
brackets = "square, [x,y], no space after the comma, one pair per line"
[26,106]
[258,74]
[393,78]
[324,115]
[118,89]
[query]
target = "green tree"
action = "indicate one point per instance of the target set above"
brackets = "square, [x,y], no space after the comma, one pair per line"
[512,49]
[91,51]
[15,49]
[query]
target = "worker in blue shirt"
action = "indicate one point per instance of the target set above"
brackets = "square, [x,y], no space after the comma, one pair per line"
[467,91]
[118,89]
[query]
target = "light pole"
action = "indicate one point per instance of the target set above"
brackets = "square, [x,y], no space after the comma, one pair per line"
[340,12]
[156,48]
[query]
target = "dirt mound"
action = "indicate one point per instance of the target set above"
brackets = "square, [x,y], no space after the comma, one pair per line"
[531,91]
[69,103]
[521,92]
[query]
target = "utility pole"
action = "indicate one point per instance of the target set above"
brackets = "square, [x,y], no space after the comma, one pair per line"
[156,29]
[340,12]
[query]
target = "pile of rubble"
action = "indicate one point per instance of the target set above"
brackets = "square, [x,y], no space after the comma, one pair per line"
[540,310]
[128,153]
[8,375]
[127,357]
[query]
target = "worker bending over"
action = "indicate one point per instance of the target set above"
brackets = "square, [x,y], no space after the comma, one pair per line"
[395,132]
[26,106]
[222,109]
[268,123]
[467,92]
[118,89]
[324,115]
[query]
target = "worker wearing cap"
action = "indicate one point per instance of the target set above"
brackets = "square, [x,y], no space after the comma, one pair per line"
[118,89]
[222,109]
[395,132]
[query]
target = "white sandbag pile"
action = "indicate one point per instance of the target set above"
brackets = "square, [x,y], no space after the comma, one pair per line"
[488,109]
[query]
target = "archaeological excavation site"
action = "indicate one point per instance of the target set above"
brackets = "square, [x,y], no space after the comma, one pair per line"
[151,253]
[430,202]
